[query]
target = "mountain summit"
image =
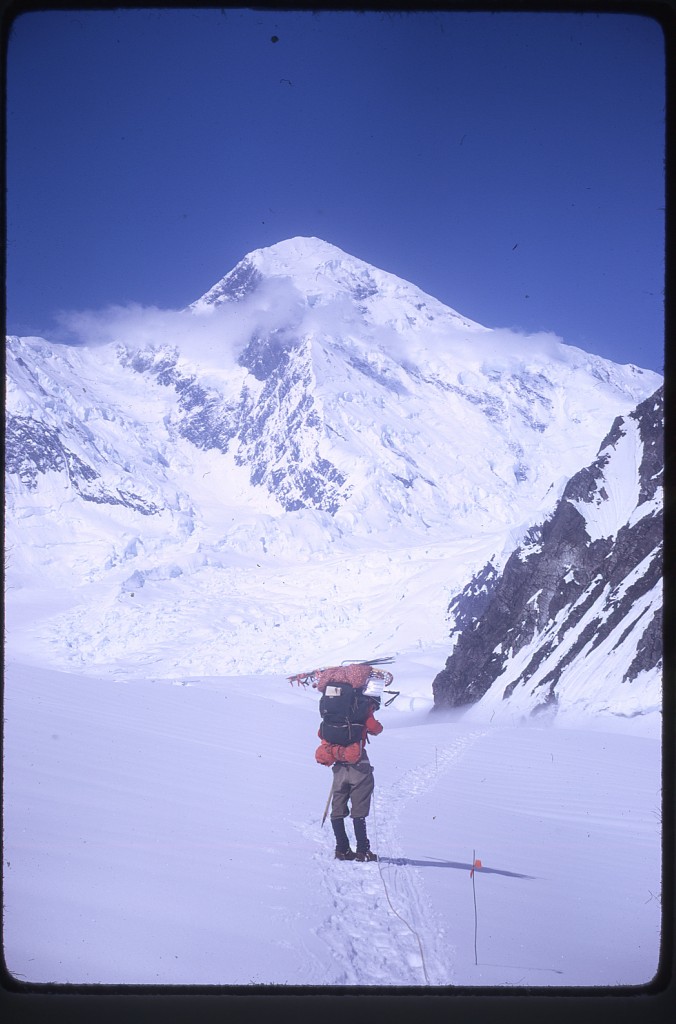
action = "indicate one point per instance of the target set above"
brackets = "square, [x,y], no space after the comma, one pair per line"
[322,273]
[314,450]
[337,340]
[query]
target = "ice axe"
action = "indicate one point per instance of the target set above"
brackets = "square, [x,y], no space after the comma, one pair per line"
[326,809]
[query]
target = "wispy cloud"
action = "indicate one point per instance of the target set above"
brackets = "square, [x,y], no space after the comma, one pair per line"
[211,334]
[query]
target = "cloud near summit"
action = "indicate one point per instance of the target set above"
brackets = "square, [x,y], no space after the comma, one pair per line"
[215,333]
[206,333]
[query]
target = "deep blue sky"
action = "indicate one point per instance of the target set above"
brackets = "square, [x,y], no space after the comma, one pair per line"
[509,164]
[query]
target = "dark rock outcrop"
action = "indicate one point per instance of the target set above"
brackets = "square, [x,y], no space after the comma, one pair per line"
[561,590]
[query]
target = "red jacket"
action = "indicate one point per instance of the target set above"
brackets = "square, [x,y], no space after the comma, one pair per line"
[372,726]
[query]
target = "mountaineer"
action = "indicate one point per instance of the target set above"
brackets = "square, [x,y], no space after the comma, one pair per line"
[350,695]
[353,784]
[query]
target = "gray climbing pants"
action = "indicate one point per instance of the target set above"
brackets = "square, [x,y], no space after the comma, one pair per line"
[353,783]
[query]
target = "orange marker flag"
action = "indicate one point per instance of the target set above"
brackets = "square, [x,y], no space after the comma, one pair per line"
[476,864]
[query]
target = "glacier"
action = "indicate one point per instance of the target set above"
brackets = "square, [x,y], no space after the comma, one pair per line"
[308,463]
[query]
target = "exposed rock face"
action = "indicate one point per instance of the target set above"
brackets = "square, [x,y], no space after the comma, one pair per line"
[588,579]
[275,434]
[33,448]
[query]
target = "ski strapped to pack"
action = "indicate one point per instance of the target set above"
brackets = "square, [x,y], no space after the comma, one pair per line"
[370,661]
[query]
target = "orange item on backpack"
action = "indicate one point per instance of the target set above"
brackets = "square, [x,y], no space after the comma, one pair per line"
[329,753]
[356,675]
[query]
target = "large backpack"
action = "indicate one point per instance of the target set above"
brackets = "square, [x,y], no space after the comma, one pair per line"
[344,711]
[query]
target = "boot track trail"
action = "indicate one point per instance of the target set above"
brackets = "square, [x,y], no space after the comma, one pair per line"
[382,928]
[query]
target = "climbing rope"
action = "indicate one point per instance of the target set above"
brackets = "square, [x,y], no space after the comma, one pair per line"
[392,908]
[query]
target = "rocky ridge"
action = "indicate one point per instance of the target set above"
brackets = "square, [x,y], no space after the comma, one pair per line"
[585,585]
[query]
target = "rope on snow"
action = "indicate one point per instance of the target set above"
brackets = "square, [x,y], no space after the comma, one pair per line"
[394,911]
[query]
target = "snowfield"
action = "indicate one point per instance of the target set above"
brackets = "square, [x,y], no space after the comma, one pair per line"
[169,832]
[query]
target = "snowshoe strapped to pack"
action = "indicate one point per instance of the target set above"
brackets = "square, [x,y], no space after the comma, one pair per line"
[354,675]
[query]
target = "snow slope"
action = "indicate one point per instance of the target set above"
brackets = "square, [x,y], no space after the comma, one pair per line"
[169,832]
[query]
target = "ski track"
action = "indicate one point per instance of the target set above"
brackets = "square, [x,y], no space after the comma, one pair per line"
[369,942]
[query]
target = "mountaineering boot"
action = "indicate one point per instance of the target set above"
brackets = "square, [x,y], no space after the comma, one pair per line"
[343,851]
[363,845]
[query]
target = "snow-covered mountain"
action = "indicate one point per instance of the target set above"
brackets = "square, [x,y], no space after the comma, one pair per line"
[306,464]
[574,620]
